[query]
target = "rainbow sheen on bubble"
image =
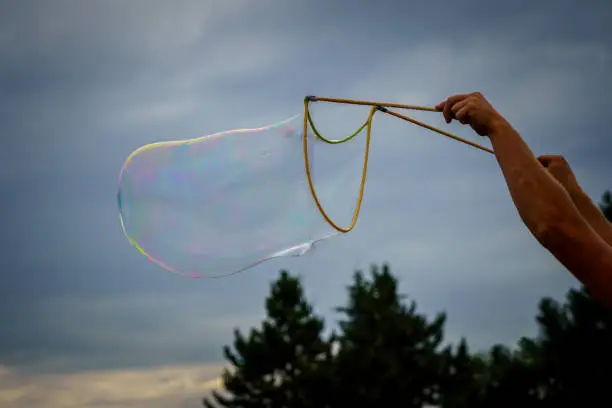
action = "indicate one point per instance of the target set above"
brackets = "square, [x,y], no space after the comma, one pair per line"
[220,204]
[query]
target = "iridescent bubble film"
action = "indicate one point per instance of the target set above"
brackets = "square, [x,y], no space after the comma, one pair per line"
[219,204]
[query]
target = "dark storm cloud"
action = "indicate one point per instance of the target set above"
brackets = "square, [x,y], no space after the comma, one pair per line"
[82,84]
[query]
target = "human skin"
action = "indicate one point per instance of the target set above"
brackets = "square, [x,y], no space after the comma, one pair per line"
[547,196]
[560,169]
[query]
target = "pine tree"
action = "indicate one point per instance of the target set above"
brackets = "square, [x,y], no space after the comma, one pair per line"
[575,342]
[388,354]
[569,362]
[283,363]
[510,380]
[606,205]
[462,377]
[574,353]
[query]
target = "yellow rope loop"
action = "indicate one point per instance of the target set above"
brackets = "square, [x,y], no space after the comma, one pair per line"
[363,172]
[382,106]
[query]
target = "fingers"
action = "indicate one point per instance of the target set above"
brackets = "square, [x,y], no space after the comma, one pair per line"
[549,159]
[450,102]
[453,105]
[461,111]
[544,160]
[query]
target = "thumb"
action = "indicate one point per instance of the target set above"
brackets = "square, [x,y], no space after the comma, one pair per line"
[544,160]
[549,159]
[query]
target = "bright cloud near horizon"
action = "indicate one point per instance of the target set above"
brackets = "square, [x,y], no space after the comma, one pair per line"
[87,321]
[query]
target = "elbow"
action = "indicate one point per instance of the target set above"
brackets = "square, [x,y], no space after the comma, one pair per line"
[546,233]
[556,225]
[555,233]
[581,251]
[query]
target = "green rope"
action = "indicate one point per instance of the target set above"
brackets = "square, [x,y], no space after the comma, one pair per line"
[338,141]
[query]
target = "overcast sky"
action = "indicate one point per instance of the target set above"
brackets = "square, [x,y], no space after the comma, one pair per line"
[86,320]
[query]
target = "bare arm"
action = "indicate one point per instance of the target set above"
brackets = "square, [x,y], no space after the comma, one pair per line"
[585,254]
[558,167]
[540,199]
[554,217]
[592,214]
[544,205]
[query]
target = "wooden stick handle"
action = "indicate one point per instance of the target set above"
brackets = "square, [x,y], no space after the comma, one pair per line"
[383,107]
[447,134]
[371,103]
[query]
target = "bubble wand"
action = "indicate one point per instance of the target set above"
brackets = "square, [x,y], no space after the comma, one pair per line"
[173,215]
[376,106]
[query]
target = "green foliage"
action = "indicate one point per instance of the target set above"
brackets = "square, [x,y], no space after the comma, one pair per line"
[570,360]
[510,380]
[386,354]
[606,205]
[282,363]
[573,357]
[462,378]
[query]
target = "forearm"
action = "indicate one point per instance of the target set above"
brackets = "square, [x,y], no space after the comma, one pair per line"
[586,255]
[552,216]
[592,214]
[540,200]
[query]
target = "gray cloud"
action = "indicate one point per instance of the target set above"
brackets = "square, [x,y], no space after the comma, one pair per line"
[162,386]
[93,82]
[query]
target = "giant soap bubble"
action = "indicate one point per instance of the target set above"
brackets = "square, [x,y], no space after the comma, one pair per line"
[219,204]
